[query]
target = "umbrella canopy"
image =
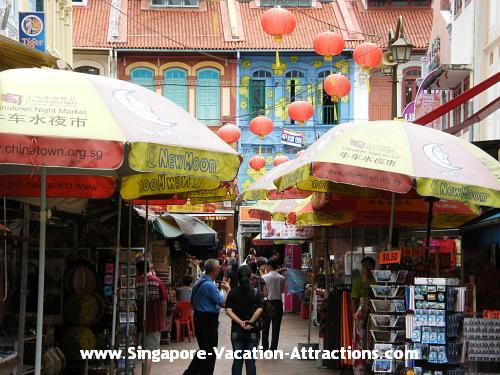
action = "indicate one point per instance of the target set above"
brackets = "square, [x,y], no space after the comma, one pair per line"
[74,121]
[196,231]
[397,156]
[368,211]
[264,187]
[273,209]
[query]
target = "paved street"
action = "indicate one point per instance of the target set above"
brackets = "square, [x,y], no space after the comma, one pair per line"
[294,330]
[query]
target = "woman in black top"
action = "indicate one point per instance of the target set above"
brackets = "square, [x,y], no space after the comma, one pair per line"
[244,306]
[232,275]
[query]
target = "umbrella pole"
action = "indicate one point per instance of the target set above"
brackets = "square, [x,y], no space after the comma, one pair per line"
[115,286]
[129,250]
[41,271]
[391,220]
[24,286]
[145,291]
[428,240]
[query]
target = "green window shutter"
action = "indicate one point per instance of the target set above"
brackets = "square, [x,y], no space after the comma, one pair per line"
[143,77]
[208,96]
[175,87]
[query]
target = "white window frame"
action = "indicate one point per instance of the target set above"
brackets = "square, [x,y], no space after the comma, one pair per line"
[155,6]
[82,3]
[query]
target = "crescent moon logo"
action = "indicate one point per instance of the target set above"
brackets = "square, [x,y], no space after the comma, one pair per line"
[144,111]
[439,157]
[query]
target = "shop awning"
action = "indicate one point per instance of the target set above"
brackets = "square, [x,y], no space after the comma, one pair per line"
[446,77]
[459,100]
[17,55]
[196,231]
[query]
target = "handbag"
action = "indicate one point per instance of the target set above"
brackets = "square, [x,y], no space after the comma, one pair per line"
[269,311]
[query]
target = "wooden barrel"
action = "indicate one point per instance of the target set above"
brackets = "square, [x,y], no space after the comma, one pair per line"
[80,280]
[76,339]
[84,309]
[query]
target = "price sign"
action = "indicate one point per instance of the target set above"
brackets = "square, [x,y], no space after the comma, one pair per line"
[389,257]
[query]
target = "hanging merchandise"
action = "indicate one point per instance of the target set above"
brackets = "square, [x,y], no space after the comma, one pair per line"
[230,133]
[337,86]
[257,162]
[278,22]
[328,44]
[301,111]
[261,126]
[280,160]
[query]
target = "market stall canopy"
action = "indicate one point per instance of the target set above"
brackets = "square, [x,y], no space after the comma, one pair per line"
[194,230]
[359,211]
[77,123]
[264,187]
[406,156]
[18,55]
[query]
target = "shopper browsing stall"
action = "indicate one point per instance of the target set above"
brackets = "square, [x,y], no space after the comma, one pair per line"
[156,307]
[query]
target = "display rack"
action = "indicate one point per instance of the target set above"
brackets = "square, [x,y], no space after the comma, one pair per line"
[482,339]
[387,319]
[435,326]
[127,315]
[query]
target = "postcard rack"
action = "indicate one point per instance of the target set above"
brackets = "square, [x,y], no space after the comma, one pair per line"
[387,319]
[435,326]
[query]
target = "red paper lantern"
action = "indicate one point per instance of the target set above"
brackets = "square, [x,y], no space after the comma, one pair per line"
[337,85]
[328,44]
[280,160]
[278,22]
[300,111]
[230,133]
[257,162]
[368,55]
[261,126]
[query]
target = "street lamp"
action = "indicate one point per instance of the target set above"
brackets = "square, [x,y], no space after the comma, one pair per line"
[401,50]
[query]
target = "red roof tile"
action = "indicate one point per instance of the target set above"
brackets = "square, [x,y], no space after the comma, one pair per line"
[417,23]
[202,28]
[193,28]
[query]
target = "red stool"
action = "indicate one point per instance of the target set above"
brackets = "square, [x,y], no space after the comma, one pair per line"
[183,317]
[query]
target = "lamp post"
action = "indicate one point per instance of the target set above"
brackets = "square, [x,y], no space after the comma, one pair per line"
[400,54]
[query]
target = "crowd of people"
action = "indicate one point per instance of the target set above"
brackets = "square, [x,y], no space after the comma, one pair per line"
[251,294]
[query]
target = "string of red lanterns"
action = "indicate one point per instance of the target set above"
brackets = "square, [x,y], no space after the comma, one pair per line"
[280,159]
[328,44]
[261,126]
[301,111]
[229,133]
[257,162]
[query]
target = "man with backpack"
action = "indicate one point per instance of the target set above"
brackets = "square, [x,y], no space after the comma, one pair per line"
[206,299]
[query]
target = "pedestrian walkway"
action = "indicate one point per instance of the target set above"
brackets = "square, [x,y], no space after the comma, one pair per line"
[293,331]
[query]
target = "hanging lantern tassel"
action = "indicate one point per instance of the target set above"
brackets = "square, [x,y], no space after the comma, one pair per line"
[367,78]
[277,59]
[335,101]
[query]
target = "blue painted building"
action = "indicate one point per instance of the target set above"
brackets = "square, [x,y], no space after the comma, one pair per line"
[265,90]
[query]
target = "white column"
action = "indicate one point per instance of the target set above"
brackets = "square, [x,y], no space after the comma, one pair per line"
[361,96]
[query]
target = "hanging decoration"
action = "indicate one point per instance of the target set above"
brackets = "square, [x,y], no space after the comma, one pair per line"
[280,160]
[278,22]
[257,162]
[368,55]
[230,133]
[301,111]
[261,126]
[337,86]
[328,44]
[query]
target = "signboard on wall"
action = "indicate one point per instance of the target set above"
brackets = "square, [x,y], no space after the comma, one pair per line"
[278,230]
[32,29]
[291,138]
[425,103]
